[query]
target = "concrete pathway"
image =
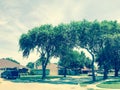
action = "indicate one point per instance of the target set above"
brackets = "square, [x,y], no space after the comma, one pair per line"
[94,86]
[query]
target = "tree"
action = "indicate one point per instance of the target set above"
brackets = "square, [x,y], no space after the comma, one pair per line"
[49,41]
[72,60]
[115,46]
[64,41]
[64,38]
[104,60]
[89,38]
[30,65]
[42,39]
[52,41]
[109,56]
[115,53]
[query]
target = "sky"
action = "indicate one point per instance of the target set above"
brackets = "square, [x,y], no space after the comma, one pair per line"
[19,16]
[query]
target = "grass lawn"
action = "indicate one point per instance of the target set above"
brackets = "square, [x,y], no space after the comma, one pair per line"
[36,77]
[49,79]
[83,80]
[112,84]
[88,80]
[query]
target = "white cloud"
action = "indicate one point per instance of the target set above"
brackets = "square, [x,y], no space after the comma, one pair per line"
[3,22]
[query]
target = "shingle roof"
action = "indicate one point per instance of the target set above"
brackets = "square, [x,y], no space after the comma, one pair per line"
[9,64]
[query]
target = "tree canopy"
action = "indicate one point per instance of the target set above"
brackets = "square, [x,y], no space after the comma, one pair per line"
[48,42]
[94,36]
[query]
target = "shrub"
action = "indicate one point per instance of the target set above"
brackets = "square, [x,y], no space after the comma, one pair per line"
[38,72]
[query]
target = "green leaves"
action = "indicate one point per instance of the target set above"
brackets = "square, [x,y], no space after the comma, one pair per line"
[73,60]
[30,65]
[26,44]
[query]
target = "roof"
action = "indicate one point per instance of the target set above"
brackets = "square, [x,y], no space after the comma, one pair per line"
[9,64]
[86,69]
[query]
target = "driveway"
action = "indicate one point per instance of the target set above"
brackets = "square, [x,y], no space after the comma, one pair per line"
[8,85]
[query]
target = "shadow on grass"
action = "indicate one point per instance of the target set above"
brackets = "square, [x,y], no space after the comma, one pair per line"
[114,81]
[70,81]
[86,81]
[58,80]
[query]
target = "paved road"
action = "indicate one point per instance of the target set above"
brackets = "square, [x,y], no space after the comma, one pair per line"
[7,85]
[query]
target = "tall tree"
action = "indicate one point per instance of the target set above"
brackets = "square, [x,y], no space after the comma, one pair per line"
[115,53]
[89,38]
[48,41]
[111,30]
[72,60]
[42,39]
[109,58]
[104,60]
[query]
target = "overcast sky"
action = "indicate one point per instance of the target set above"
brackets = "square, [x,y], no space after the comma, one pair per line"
[19,16]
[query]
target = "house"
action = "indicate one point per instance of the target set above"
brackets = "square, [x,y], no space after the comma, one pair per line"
[52,67]
[73,71]
[6,64]
[59,70]
[85,70]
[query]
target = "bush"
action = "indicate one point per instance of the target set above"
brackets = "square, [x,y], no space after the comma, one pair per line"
[69,72]
[38,72]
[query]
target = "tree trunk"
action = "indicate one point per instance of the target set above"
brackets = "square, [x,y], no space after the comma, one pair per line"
[65,72]
[93,61]
[43,72]
[44,64]
[93,70]
[105,73]
[116,72]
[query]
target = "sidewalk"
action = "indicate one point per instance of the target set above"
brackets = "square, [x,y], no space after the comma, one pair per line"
[94,86]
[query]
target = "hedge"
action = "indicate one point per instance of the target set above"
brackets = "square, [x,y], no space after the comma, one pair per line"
[38,72]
